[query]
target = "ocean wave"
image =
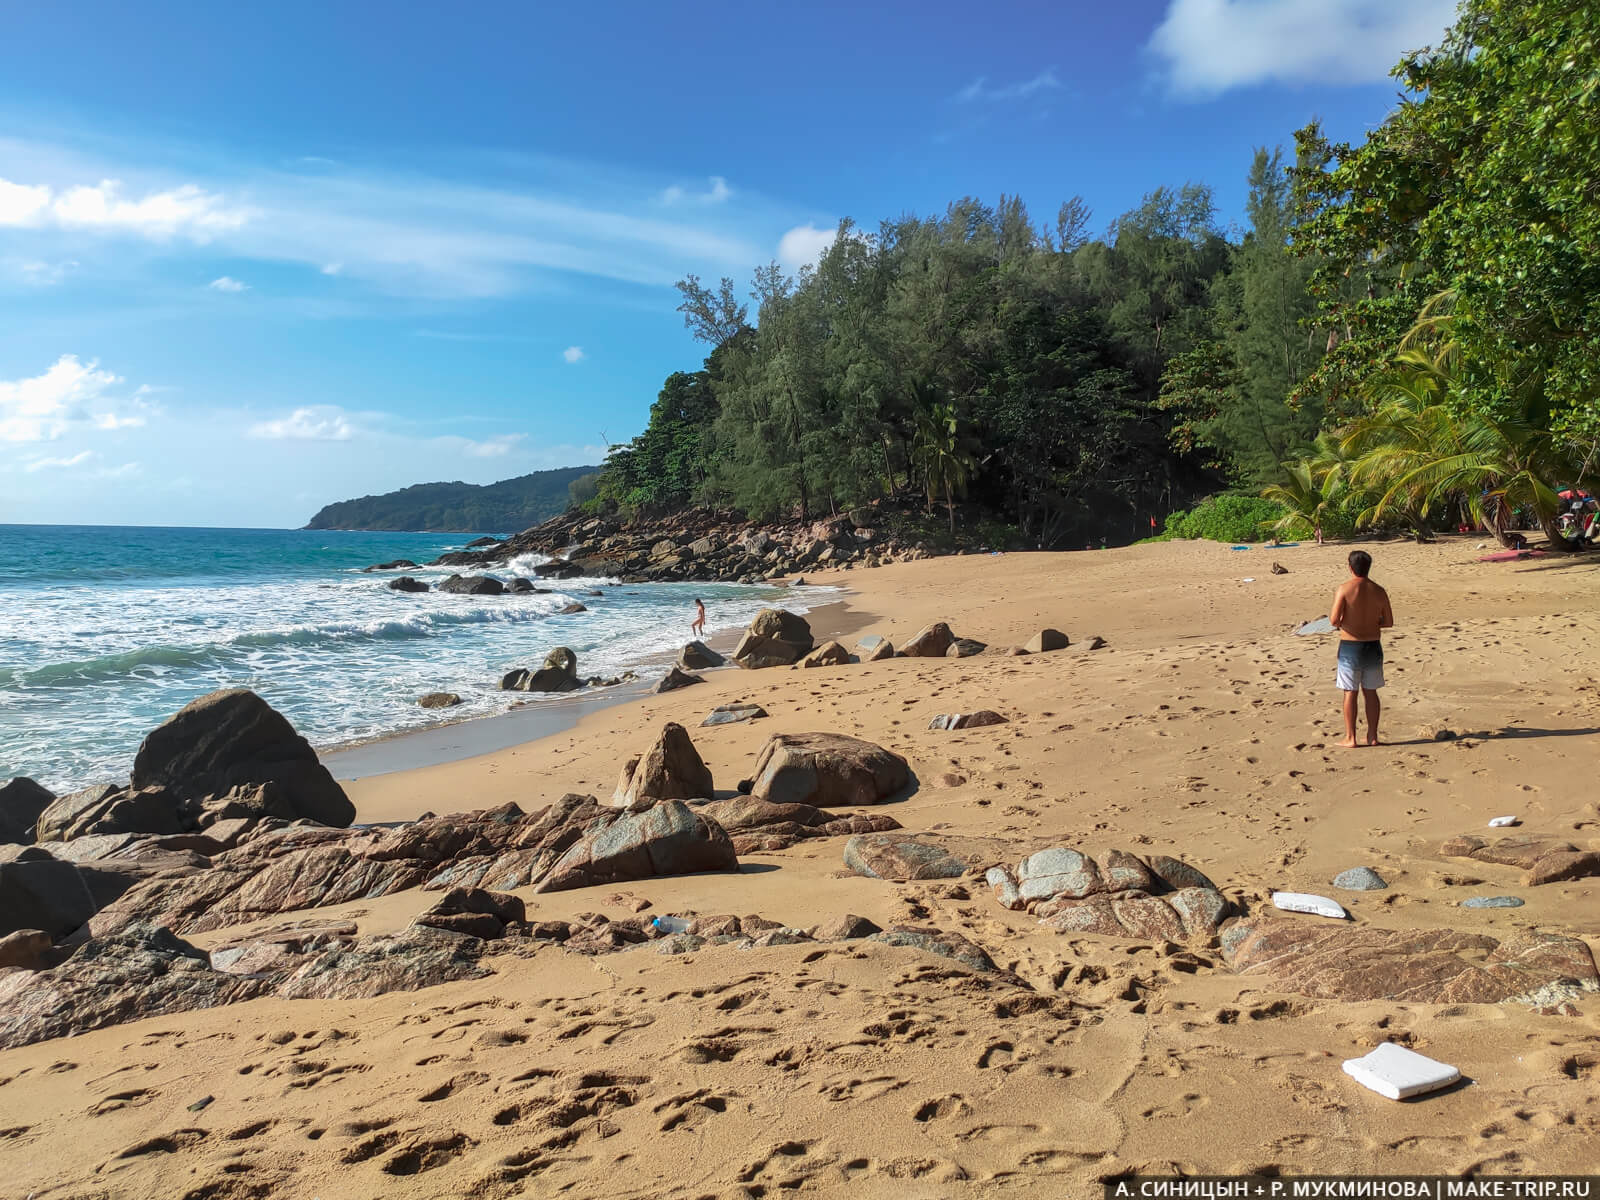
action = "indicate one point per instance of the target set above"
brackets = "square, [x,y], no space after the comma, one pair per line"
[230,650]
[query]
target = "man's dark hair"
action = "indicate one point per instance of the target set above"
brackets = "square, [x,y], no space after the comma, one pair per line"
[1360,562]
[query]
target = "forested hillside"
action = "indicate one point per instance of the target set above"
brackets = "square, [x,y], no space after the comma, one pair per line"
[505,507]
[982,355]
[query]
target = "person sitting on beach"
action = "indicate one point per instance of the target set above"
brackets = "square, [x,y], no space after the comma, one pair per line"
[1360,613]
[699,626]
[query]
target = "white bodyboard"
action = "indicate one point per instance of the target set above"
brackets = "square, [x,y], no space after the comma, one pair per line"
[1302,902]
[1397,1073]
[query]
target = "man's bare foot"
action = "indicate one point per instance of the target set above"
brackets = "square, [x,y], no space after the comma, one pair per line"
[1349,744]
[1373,741]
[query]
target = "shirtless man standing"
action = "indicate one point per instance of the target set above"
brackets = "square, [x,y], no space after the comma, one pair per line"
[1360,613]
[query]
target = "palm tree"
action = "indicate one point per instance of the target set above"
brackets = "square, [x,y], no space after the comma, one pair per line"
[944,462]
[1312,489]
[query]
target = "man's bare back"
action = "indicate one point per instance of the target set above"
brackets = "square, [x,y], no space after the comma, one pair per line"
[1360,611]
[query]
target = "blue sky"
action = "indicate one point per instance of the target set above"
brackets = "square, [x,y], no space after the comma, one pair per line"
[254,259]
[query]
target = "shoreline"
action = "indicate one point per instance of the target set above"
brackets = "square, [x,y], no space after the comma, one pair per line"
[533,721]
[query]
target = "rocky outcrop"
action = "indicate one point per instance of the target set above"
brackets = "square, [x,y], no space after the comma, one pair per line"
[1425,966]
[1045,641]
[558,674]
[760,826]
[901,858]
[567,610]
[668,838]
[26,949]
[775,638]
[671,769]
[932,641]
[827,770]
[697,656]
[143,972]
[1547,860]
[407,584]
[473,585]
[1155,899]
[475,912]
[377,964]
[972,720]
[233,741]
[937,941]
[675,679]
[730,714]
[829,654]
[21,802]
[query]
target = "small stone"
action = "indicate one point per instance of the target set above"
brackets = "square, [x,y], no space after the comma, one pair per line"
[1045,641]
[1279,569]
[440,700]
[972,720]
[728,714]
[966,648]
[845,929]
[201,1103]
[1493,902]
[1359,879]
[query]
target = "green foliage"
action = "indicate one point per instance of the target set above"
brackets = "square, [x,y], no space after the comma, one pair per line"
[1478,188]
[509,506]
[1229,517]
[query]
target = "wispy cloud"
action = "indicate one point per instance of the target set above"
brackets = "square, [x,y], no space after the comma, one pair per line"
[1207,47]
[71,393]
[573,354]
[227,283]
[495,447]
[101,207]
[45,274]
[979,90]
[316,423]
[717,193]
[59,464]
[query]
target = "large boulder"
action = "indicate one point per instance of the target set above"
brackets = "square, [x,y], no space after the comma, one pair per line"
[670,770]
[558,674]
[21,802]
[473,585]
[675,679]
[901,857]
[827,770]
[775,638]
[407,584]
[1423,966]
[933,641]
[697,656]
[1546,859]
[668,838]
[829,654]
[558,568]
[1121,895]
[475,912]
[1045,641]
[40,892]
[105,809]
[235,739]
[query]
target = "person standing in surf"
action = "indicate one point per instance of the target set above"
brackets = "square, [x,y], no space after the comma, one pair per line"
[699,626]
[1360,613]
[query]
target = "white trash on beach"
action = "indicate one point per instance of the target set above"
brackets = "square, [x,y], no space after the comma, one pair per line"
[1502,822]
[1302,902]
[1397,1073]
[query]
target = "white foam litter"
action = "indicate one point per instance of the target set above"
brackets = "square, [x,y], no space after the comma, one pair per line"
[1501,822]
[1397,1073]
[1302,902]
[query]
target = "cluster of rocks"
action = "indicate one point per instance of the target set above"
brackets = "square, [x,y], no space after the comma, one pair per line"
[695,545]
[475,585]
[1546,860]
[1149,899]
[558,673]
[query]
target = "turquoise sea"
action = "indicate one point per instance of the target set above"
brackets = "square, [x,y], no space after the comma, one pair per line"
[105,631]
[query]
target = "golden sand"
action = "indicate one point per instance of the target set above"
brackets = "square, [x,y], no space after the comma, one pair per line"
[1204,729]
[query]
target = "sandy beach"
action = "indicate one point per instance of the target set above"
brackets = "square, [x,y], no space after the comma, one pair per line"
[1203,729]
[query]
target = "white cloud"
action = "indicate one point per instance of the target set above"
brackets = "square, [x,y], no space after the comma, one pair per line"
[187,209]
[804,245]
[126,471]
[70,393]
[495,447]
[572,353]
[332,268]
[717,193]
[979,89]
[227,283]
[317,423]
[1209,46]
[58,464]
